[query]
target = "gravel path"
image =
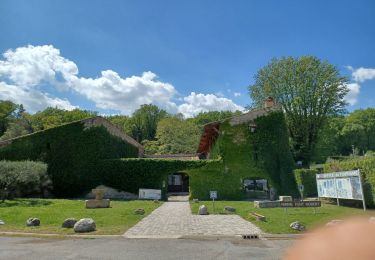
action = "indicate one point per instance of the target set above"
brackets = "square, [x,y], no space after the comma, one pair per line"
[174,220]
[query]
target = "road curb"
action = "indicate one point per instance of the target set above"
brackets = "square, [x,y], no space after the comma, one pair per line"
[44,235]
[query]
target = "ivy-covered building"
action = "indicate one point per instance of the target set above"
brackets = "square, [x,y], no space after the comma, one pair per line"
[245,156]
[72,152]
[253,158]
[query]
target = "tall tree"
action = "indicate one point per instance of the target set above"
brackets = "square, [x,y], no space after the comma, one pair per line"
[308,90]
[359,129]
[7,108]
[175,135]
[144,122]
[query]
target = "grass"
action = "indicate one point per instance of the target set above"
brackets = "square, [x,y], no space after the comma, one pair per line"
[278,219]
[52,212]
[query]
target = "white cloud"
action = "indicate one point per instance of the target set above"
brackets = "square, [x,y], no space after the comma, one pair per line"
[237,94]
[28,67]
[24,70]
[352,96]
[196,103]
[32,99]
[111,91]
[362,74]
[358,76]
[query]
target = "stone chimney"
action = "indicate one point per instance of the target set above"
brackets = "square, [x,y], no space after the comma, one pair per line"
[269,102]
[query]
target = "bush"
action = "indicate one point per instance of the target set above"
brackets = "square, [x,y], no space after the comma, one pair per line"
[23,178]
[367,169]
[307,177]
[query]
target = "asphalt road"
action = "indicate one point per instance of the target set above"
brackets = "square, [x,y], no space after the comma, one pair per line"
[122,248]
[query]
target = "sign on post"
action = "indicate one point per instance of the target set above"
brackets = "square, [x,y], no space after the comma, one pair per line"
[341,185]
[213,196]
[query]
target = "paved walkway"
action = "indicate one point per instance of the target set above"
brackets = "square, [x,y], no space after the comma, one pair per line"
[174,220]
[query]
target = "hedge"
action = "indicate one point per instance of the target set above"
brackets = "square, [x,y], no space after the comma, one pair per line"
[242,154]
[71,152]
[307,177]
[367,169]
[132,174]
[23,178]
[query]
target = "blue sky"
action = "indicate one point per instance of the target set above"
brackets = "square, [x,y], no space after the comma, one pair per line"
[197,55]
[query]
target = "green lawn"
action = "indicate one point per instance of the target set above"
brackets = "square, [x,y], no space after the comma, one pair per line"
[278,219]
[52,212]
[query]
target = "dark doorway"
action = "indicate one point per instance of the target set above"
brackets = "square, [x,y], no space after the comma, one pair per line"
[178,182]
[256,188]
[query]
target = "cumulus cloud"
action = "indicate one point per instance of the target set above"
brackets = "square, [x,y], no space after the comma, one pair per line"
[24,70]
[237,94]
[352,96]
[362,74]
[359,75]
[196,103]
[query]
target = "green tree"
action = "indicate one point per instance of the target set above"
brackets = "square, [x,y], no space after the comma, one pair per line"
[7,108]
[174,135]
[52,117]
[208,117]
[331,142]
[359,130]
[144,122]
[122,122]
[308,90]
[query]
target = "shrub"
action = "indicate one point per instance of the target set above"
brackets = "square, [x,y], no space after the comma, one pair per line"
[307,177]
[367,169]
[23,178]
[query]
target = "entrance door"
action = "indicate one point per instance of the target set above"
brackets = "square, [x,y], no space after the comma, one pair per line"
[178,182]
[256,188]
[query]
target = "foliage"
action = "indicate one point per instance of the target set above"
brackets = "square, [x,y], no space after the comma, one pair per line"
[359,129]
[70,152]
[242,154]
[307,177]
[52,117]
[331,141]
[309,90]
[175,135]
[341,134]
[366,165]
[8,111]
[278,219]
[23,178]
[14,129]
[122,122]
[212,116]
[135,173]
[144,122]
[52,212]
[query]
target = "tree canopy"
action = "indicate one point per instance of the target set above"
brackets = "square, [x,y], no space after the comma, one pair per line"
[309,90]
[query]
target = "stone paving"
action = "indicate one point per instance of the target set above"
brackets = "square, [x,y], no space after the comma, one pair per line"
[174,220]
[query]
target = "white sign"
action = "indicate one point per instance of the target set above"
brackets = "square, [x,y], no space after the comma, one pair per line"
[149,194]
[342,185]
[213,194]
[301,187]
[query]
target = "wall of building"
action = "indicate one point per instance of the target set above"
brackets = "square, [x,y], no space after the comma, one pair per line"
[262,154]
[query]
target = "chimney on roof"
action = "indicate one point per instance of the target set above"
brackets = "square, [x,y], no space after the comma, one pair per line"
[269,102]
